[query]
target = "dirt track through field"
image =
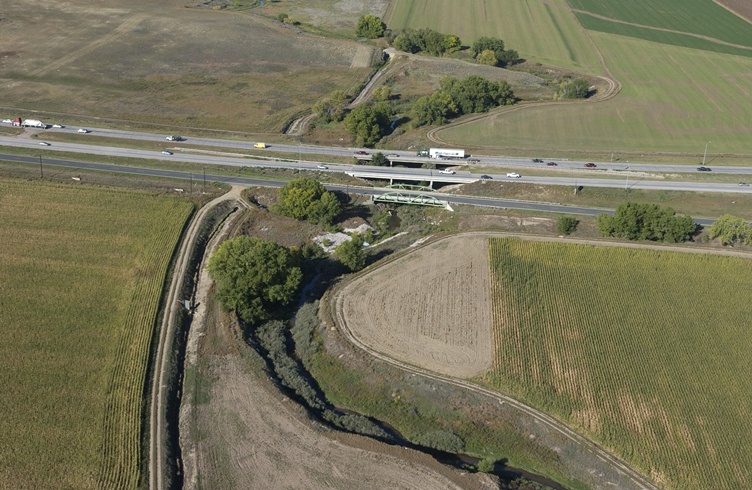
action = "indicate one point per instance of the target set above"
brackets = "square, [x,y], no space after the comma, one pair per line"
[430,308]
[119,32]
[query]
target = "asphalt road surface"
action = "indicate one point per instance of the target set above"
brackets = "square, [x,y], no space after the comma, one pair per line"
[365,191]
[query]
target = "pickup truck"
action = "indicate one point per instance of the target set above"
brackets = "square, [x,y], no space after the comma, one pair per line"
[447,171]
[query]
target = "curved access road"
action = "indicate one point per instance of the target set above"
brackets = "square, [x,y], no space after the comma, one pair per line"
[160,380]
[620,471]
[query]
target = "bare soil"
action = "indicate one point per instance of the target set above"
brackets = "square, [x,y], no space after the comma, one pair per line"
[430,308]
[742,8]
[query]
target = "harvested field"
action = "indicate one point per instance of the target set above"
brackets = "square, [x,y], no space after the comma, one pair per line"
[430,308]
[742,8]
[167,64]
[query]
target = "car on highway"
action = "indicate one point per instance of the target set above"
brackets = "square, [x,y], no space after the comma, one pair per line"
[473,160]
[82,130]
[513,175]
[166,152]
[590,165]
[552,164]
[743,184]
[174,138]
[485,177]
[447,171]
[392,155]
[322,167]
[703,169]
[537,160]
[58,126]
[361,152]
[44,143]
[260,145]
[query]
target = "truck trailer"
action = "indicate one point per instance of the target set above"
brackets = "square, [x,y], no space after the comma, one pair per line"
[33,123]
[442,153]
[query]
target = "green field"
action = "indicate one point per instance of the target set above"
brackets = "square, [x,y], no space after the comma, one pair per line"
[556,38]
[81,273]
[645,350]
[701,17]
[672,99]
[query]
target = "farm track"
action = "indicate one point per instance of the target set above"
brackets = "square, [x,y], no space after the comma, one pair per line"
[159,385]
[639,480]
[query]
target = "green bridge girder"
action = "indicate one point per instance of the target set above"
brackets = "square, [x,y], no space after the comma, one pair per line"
[411,198]
[411,187]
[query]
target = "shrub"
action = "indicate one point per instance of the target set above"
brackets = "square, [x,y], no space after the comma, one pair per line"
[566,225]
[443,440]
[731,229]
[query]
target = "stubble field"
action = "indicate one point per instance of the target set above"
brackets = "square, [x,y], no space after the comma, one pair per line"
[644,349]
[428,308]
[81,272]
[167,64]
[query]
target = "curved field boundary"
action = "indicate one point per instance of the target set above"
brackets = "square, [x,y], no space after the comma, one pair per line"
[335,301]
[173,305]
[731,8]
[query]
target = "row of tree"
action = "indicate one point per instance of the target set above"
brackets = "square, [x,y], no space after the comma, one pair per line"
[424,40]
[457,97]
[634,221]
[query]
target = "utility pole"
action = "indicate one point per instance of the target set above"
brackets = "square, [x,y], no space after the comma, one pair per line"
[204,180]
[191,182]
[41,169]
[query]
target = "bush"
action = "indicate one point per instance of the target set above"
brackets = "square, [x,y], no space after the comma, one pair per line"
[731,230]
[379,160]
[566,225]
[443,440]
[370,27]
[351,253]
[578,88]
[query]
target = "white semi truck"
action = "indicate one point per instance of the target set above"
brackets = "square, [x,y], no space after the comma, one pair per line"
[442,153]
[33,123]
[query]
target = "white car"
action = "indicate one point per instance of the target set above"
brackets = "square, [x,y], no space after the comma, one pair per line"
[165,152]
[7,121]
[513,175]
[447,171]
[44,143]
[82,130]
[58,126]
[322,167]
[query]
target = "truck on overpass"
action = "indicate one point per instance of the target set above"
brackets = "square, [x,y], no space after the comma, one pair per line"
[441,153]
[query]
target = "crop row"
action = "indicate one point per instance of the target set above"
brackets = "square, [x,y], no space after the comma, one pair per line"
[642,349]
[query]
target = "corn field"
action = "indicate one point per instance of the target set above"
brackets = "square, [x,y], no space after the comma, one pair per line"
[647,351]
[81,274]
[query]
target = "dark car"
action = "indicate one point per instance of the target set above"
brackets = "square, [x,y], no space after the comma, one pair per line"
[590,165]
[703,169]
[485,177]
[361,152]
[743,184]
[537,160]
[552,164]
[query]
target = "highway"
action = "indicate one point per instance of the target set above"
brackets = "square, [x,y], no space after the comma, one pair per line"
[398,155]
[365,191]
[588,178]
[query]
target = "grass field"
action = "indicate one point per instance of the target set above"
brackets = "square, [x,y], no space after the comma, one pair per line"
[81,272]
[702,17]
[556,38]
[672,99]
[646,350]
[167,64]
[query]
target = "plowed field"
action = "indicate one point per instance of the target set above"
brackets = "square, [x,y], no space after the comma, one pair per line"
[429,308]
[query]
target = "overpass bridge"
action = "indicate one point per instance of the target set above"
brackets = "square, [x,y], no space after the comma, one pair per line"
[431,178]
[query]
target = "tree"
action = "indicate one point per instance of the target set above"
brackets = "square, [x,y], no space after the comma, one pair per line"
[331,109]
[370,27]
[282,17]
[509,56]
[433,109]
[383,93]
[404,42]
[565,225]
[488,57]
[731,229]
[379,160]
[368,123]
[306,199]
[485,43]
[254,276]
[579,88]
[452,43]
[351,253]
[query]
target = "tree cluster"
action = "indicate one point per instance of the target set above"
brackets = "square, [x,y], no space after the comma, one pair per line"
[579,88]
[369,27]
[332,108]
[458,97]
[306,199]
[368,123]
[424,41]
[635,221]
[490,51]
[254,277]
[731,230]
